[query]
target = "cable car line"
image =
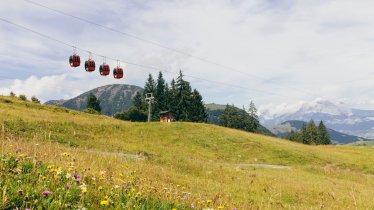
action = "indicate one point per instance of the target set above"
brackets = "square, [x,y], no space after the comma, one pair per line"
[136,64]
[166,47]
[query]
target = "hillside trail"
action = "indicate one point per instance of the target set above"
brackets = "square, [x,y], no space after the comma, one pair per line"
[140,157]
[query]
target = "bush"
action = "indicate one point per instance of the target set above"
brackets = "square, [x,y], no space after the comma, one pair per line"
[133,114]
[91,111]
[12,94]
[35,100]
[23,97]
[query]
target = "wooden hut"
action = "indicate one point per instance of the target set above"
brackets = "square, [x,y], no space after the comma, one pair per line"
[166,116]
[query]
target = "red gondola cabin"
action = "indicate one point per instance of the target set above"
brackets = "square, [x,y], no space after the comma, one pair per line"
[89,65]
[104,69]
[75,60]
[118,72]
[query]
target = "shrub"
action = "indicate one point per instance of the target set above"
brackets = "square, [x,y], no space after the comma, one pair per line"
[90,111]
[35,100]
[23,97]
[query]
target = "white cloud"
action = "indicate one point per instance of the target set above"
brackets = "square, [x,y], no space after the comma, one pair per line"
[298,49]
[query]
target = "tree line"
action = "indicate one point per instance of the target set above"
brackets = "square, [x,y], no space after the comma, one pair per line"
[242,119]
[311,134]
[186,104]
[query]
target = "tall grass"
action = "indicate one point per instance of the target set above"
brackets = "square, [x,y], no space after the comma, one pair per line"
[186,165]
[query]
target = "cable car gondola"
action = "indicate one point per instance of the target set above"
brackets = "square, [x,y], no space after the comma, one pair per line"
[118,71]
[89,65]
[74,59]
[104,68]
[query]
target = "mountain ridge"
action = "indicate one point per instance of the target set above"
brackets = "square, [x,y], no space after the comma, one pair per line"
[336,116]
[113,98]
[286,127]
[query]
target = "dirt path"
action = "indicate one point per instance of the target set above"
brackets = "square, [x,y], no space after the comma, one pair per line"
[265,166]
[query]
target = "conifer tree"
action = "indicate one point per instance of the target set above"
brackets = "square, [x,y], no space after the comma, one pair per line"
[254,122]
[150,86]
[160,96]
[323,135]
[93,103]
[294,136]
[183,98]
[197,109]
[304,135]
[138,101]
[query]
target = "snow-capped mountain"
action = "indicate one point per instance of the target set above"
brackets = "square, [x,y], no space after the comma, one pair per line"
[337,116]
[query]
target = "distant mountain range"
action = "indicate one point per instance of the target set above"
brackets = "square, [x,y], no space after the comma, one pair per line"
[336,116]
[113,98]
[285,128]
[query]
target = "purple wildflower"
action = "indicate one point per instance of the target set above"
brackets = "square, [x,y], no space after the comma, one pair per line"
[77,178]
[45,193]
[67,186]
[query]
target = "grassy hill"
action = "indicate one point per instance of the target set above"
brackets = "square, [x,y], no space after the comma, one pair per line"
[60,158]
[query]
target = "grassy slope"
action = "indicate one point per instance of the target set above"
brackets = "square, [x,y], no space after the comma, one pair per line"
[204,158]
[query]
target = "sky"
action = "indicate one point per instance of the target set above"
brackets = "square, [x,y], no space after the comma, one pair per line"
[278,53]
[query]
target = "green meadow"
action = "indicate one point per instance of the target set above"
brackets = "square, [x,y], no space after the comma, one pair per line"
[56,158]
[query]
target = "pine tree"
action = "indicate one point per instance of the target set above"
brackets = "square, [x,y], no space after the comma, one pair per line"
[323,135]
[138,101]
[294,136]
[304,135]
[232,117]
[197,109]
[150,86]
[93,103]
[254,122]
[312,133]
[183,98]
[160,97]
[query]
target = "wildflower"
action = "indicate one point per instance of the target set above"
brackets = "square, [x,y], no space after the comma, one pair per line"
[65,154]
[45,193]
[174,208]
[67,186]
[209,201]
[220,207]
[19,150]
[83,188]
[104,203]
[77,178]
[100,188]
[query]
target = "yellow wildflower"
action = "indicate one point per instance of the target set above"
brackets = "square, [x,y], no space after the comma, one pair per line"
[100,188]
[220,207]
[104,203]
[209,201]
[66,154]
